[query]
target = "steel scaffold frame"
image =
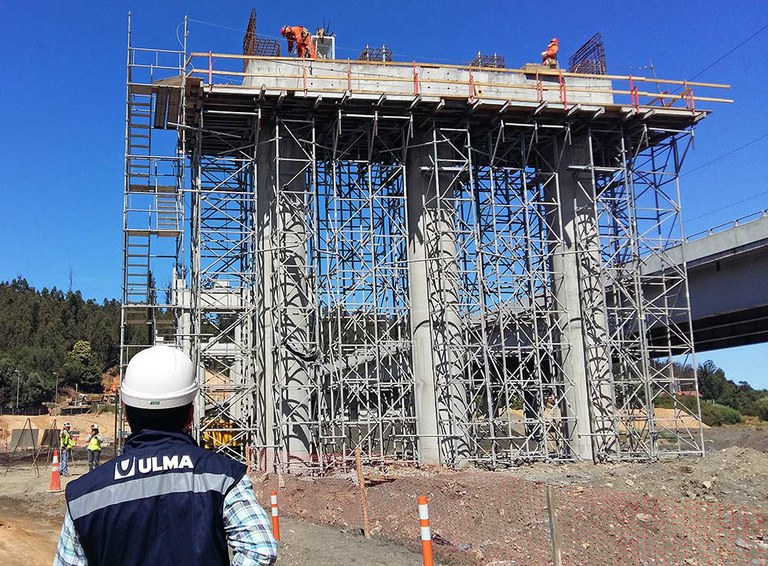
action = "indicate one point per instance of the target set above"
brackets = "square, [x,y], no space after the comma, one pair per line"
[153,203]
[463,288]
[367,378]
[516,195]
[222,300]
[297,299]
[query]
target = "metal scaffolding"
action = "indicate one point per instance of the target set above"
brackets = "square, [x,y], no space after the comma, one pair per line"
[455,279]
[153,201]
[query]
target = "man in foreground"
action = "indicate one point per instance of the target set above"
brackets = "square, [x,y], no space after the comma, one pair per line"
[165,500]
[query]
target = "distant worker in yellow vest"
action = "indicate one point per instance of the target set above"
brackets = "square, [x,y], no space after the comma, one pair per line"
[66,442]
[94,441]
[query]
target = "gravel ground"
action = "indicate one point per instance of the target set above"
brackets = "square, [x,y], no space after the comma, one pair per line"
[696,511]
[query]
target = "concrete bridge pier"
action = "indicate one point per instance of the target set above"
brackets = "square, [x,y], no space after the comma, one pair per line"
[284,288]
[440,397]
[578,289]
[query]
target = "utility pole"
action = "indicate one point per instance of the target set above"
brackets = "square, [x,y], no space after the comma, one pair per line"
[18,383]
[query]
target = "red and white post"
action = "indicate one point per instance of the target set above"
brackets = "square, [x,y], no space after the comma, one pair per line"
[426,535]
[275,517]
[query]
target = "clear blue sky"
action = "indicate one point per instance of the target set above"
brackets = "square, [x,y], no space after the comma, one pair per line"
[62,103]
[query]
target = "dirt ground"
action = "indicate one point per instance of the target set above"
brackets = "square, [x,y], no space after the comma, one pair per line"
[30,522]
[690,511]
[754,437]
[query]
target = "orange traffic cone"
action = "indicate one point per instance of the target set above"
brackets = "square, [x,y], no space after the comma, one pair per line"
[55,478]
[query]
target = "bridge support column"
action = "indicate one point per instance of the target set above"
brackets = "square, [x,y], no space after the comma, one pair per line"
[440,397]
[577,286]
[284,288]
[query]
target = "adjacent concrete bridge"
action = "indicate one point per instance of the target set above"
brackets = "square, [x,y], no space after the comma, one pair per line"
[728,284]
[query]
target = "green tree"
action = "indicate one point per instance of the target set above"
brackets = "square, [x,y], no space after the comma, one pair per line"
[762,408]
[712,382]
[83,367]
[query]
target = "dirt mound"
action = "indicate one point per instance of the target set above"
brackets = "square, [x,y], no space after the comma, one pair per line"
[671,418]
[675,512]
[717,438]
[736,476]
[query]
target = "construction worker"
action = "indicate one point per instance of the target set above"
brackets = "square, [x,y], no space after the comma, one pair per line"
[165,500]
[300,35]
[549,57]
[94,442]
[66,442]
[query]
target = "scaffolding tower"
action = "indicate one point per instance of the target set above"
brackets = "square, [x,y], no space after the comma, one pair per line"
[451,265]
[153,202]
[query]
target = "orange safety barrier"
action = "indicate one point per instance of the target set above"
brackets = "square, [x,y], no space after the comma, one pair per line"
[275,517]
[426,535]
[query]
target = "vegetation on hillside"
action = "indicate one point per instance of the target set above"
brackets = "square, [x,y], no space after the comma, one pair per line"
[716,387]
[51,335]
[723,401]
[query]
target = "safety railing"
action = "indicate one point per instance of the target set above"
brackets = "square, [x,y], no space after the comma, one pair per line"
[377,77]
[728,225]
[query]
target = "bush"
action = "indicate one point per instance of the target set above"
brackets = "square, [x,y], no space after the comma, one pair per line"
[712,414]
[762,408]
[716,415]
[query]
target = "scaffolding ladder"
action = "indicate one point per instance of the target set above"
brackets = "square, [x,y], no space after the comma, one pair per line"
[153,200]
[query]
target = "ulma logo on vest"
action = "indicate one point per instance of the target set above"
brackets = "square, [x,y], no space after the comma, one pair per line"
[127,468]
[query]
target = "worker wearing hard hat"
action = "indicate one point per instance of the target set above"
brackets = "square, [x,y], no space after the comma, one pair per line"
[165,500]
[66,442]
[93,442]
[300,35]
[549,57]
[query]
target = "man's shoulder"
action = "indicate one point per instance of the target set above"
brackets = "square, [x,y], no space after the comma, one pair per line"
[169,450]
[222,461]
[92,481]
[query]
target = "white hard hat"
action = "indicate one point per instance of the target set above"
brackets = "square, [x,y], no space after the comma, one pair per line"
[67,424]
[94,426]
[160,377]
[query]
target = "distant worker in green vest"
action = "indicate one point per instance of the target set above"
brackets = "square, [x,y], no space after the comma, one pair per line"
[94,441]
[66,442]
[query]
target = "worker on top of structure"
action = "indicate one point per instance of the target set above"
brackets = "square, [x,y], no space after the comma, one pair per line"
[549,57]
[165,500]
[66,442]
[299,35]
[93,443]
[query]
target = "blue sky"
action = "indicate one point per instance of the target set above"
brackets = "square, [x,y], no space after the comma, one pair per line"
[62,103]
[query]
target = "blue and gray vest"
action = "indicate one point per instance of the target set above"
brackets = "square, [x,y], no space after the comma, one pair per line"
[160,502]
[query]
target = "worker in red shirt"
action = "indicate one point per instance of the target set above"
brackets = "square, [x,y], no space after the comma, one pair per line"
[549,57]
[300,35]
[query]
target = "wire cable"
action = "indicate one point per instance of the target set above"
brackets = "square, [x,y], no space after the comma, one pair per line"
[742,201]
[716,61]
[716,159]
